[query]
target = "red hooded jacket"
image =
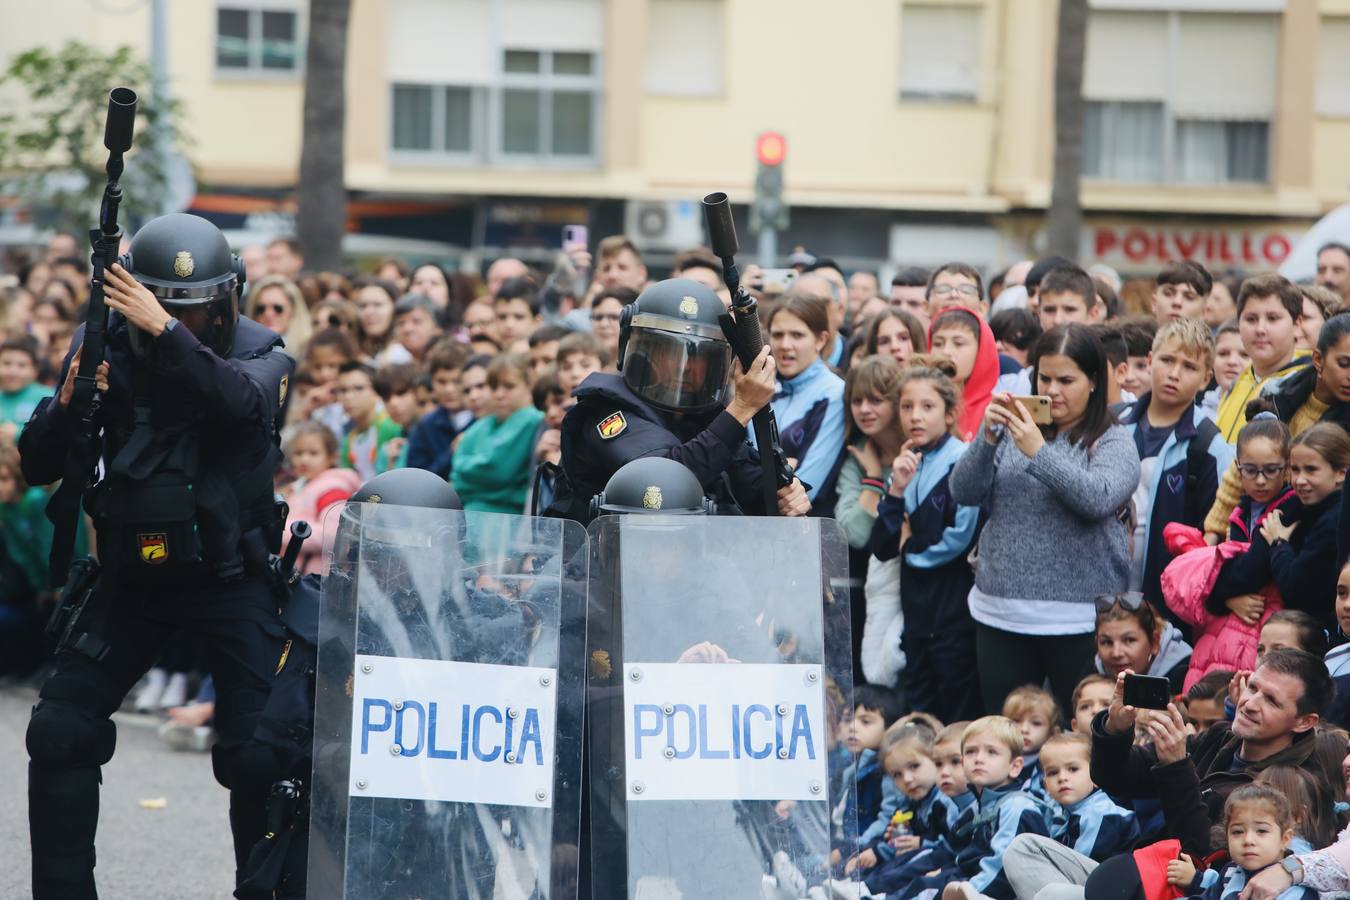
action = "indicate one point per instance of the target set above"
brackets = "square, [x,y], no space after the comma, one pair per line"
[979,387]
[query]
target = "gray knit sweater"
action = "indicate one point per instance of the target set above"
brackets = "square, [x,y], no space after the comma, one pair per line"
[1052,531]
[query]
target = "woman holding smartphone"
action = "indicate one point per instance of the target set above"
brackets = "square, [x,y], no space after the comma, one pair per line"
[1057,533]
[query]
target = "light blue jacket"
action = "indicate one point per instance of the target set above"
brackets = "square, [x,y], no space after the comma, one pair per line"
[810,412]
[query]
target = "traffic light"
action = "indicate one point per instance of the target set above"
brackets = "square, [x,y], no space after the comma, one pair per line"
[769,211]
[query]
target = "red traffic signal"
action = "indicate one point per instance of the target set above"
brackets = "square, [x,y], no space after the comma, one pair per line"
[771,148]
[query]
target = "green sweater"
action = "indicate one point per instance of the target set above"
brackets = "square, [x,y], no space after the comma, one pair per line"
[848,512]
[28,536]
[493,463]
[18,407]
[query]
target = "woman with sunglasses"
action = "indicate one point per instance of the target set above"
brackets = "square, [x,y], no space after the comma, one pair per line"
[1132,635]
[276,302]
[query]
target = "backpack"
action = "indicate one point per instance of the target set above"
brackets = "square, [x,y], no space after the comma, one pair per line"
[1205,433]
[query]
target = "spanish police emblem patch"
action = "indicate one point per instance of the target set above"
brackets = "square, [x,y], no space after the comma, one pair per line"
[612,425]
[689,308]
[183,265]
[281,391]
[651,497]
[154,547]
[285,652]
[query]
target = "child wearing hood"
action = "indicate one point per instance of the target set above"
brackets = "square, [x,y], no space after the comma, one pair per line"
[959,334]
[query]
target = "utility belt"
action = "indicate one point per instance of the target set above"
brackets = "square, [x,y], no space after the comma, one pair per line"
[155,533]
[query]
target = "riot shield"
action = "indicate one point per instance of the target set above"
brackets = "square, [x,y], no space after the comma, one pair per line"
[719,673]
[448,713]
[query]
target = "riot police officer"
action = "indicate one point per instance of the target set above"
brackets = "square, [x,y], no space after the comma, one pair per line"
[192,399]
[285,733]
[671,400]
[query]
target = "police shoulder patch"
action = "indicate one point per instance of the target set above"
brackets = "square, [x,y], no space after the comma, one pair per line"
[611,426]
[281,389]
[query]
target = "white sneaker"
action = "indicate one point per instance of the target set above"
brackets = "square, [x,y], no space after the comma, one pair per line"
[847,890]
[175,692]
[148,697]
[791,881]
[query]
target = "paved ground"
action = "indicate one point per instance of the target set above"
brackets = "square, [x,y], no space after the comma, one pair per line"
[181,851]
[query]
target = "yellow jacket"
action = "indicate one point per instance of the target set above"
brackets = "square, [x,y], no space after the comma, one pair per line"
[1233,409]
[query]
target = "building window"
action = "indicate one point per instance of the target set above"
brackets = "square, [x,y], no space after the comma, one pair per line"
[257,40]
[940,53]
[684,48]
[547,105]
[437,119]
[1333,66]
[1163,108]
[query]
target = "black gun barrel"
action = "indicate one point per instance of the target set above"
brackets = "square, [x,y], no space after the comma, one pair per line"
[121,119]
[721,227]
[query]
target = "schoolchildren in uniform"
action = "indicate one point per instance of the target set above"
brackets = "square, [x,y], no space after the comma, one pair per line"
[919,521]
[1086,819]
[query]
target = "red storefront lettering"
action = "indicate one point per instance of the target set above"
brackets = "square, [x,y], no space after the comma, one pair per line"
[1275,248]
[1137,245]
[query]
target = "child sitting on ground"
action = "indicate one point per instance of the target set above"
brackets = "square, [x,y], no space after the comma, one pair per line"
[1036,714]
[1091,696]
[920,823]
[1087,819]
[991,751]
[1259,823]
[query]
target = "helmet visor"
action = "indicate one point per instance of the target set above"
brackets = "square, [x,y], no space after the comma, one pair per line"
[677,371]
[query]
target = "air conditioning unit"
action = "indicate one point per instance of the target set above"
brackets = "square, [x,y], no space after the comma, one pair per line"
[664,224]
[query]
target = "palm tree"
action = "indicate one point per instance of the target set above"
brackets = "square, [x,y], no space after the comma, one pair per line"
[321,216]
[1066,213]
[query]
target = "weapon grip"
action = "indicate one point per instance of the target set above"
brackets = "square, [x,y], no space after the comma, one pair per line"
[749,338]
[300,532]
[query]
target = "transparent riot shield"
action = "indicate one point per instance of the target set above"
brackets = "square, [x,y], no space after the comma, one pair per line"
[719,675]
[448,719]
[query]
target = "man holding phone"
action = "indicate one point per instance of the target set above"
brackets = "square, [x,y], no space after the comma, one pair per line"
[1193,775]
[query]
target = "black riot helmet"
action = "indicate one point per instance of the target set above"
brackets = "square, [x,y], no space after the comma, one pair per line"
[652,485]
[672,351]
[409,487]
[186,263]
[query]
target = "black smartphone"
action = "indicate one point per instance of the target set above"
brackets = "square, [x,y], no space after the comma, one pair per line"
[1147,691]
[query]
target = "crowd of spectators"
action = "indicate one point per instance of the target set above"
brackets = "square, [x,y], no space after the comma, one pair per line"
[1048,481]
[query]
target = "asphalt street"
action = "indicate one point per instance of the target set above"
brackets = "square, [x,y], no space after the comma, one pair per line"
[178,852]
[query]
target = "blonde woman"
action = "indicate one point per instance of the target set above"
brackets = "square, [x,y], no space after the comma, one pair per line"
[276,302]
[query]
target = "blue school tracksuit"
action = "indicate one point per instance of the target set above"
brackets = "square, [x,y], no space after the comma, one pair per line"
[1032,779]
[935,581]
[1165,494]
[937,851]
[866,801]
[1228,884]
[1095,826]
[932,819]
[986,830]
[809,408]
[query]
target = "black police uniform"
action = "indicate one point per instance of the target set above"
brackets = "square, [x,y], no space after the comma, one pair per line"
[172,403]
[612,423]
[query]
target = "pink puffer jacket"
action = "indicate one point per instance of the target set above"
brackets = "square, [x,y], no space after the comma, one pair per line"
[1222,642]
[308,504]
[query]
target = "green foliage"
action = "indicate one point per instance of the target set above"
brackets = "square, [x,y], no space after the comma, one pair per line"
[51,142]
